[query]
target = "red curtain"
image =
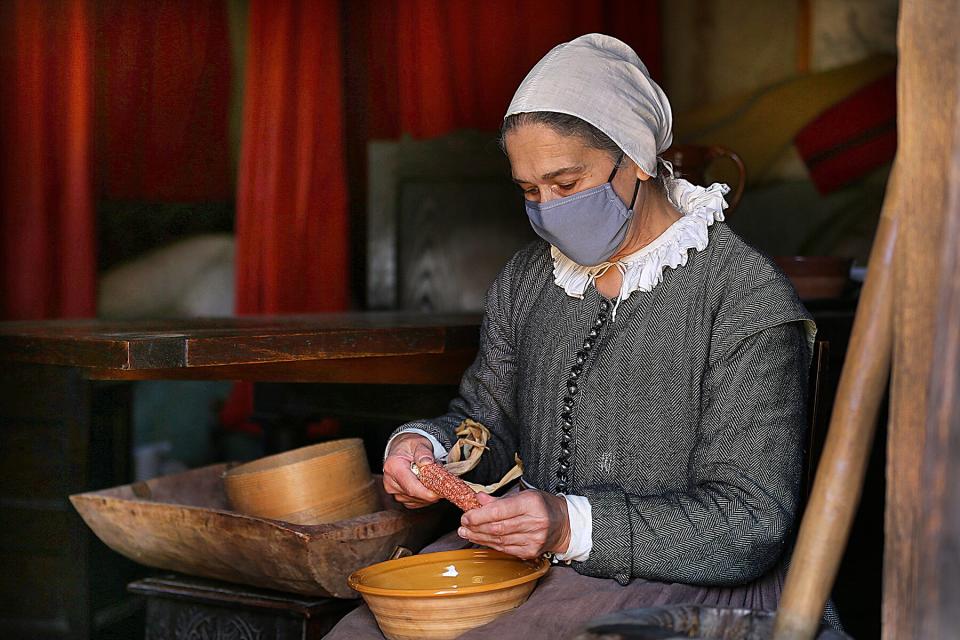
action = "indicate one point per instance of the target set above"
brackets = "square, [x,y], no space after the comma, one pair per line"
[164,95]
[455,63]
[291,195]
[160,72]
[46,180]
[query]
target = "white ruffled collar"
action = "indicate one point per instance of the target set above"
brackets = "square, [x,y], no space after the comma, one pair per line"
[643,270]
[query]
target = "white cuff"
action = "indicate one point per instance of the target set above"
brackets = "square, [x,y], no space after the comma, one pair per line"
[439,453]
[581,529]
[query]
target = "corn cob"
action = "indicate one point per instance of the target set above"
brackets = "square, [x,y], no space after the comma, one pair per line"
[443,483]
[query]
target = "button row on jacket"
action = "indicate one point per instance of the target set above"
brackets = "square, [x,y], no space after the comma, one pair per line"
[566,415]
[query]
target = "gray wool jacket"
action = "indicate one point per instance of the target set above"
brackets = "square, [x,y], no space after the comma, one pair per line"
[689,420]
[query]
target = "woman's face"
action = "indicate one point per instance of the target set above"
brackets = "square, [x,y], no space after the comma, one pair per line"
[547,165]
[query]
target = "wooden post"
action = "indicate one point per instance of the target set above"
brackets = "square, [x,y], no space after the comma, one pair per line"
[939,571]
[928,94]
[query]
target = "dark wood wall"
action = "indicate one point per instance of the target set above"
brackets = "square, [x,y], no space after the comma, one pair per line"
[61,434]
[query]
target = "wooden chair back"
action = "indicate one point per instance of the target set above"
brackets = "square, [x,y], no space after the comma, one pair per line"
[443,219]
[819,405]
[692,162]
[443,216]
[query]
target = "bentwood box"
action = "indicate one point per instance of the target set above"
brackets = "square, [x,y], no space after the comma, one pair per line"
[319,483]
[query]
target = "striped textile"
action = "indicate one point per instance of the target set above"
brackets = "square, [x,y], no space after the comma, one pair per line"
[853,137]
[689,422]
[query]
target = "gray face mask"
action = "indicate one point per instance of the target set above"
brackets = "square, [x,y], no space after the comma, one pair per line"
[588,227]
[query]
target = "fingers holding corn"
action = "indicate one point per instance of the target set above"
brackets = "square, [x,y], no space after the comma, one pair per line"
[443,483]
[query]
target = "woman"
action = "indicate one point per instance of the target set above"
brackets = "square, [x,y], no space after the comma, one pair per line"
[647,365]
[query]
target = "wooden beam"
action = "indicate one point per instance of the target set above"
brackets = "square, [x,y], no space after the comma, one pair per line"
[938,580]
[928,92]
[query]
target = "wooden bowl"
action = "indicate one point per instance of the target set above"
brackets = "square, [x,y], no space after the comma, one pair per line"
[321,483]
[443,595]
[816,277]
[182,523]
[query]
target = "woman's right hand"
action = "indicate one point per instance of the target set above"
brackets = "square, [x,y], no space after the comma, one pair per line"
[398,479]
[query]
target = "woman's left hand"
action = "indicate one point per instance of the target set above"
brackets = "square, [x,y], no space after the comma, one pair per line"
[526,524]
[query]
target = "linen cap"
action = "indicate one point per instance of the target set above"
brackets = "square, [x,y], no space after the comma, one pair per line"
[601,80]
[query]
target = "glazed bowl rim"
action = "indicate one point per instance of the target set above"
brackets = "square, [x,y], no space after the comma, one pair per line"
[542,565]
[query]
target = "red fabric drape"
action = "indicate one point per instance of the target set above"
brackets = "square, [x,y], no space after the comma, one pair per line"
[164,94]
[455,63]
[291,196]
[46,195]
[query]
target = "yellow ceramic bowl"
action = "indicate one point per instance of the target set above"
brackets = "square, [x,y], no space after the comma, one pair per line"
[442,595]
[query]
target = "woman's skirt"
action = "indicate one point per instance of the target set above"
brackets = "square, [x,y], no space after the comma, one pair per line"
[564,601]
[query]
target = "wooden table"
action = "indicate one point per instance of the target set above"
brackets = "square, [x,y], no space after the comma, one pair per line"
[354,348]
[63,427]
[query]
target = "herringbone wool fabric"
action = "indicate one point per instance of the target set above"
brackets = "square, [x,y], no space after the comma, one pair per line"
[689,420]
